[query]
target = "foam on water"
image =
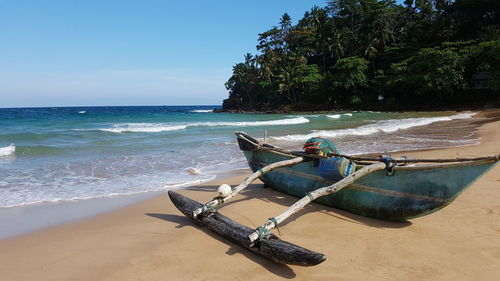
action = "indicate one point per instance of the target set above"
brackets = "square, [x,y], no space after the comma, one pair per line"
[143,128]
[289,121]
[385,126]
[174,186]
[202,111]
[18,201]
[82,179]
[8,150]
[107,178]
[164,127]
[337,116]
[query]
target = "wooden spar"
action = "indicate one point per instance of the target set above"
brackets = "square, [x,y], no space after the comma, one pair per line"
[406,160]
[374,159]
[219,201]
[311,196]
[395,160]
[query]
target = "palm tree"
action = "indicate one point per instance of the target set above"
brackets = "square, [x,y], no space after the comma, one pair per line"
[336,45]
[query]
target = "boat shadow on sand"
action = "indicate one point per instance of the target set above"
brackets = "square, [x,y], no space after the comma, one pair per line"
[257,191]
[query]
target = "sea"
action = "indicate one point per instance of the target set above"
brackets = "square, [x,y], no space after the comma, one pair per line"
[70,154]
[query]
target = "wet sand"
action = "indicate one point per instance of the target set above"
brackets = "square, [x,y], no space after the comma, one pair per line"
[152,240]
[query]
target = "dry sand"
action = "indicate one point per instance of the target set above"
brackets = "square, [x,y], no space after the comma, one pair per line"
[152,240]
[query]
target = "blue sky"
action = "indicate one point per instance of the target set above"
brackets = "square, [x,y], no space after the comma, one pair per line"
[70,53]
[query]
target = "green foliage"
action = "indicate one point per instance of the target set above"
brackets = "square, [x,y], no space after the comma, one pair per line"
[349,73]
[431,69]
[425,53]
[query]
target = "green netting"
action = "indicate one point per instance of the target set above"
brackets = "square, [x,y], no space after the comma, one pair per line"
[319,145]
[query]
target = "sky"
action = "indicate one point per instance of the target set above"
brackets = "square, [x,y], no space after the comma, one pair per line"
[149,52]
[83,53]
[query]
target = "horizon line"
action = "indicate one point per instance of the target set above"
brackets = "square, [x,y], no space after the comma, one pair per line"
[73,106]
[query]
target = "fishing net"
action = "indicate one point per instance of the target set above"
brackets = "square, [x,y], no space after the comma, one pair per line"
[320,146]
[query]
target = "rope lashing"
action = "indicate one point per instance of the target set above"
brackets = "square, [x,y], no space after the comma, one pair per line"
[310,196]
[276,225]
[205,208]
[263,232]
[389,164]
[274,221]
[390,169]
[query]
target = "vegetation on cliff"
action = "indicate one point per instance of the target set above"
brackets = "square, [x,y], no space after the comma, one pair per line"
[355,54]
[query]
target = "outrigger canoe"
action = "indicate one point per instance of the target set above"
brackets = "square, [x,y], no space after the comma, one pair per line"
[383,188]
[410,191]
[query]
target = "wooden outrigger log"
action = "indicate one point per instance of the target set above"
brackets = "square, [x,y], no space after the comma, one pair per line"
[399,193]
[271,247]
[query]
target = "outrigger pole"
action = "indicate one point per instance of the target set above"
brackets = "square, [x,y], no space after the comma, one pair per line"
[217,201]
[264,230]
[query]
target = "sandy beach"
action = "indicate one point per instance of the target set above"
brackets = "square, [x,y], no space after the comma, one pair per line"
[152,240]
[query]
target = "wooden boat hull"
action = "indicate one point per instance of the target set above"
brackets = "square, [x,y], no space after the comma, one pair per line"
[411,191]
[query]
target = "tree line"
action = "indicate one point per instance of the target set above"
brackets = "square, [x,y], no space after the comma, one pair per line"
[374,54]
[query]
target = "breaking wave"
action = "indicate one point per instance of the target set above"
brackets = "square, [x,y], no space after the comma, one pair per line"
[163,127]
[143,128]
[337,116]
[202,110]
[289,121]
[7,150]
[385,126]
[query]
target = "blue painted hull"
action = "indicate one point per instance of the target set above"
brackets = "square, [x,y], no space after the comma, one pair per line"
[411,191]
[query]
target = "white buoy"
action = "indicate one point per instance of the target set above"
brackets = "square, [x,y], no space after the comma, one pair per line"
[224,190]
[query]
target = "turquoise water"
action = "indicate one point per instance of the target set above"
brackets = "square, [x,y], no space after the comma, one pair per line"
[77,153]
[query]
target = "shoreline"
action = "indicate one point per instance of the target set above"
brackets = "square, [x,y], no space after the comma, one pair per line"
[151,240]
[40,215]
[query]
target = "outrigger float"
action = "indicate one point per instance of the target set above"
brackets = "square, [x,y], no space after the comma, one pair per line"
[383,188]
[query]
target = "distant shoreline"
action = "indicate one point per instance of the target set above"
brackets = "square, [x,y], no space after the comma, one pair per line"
[340,110]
